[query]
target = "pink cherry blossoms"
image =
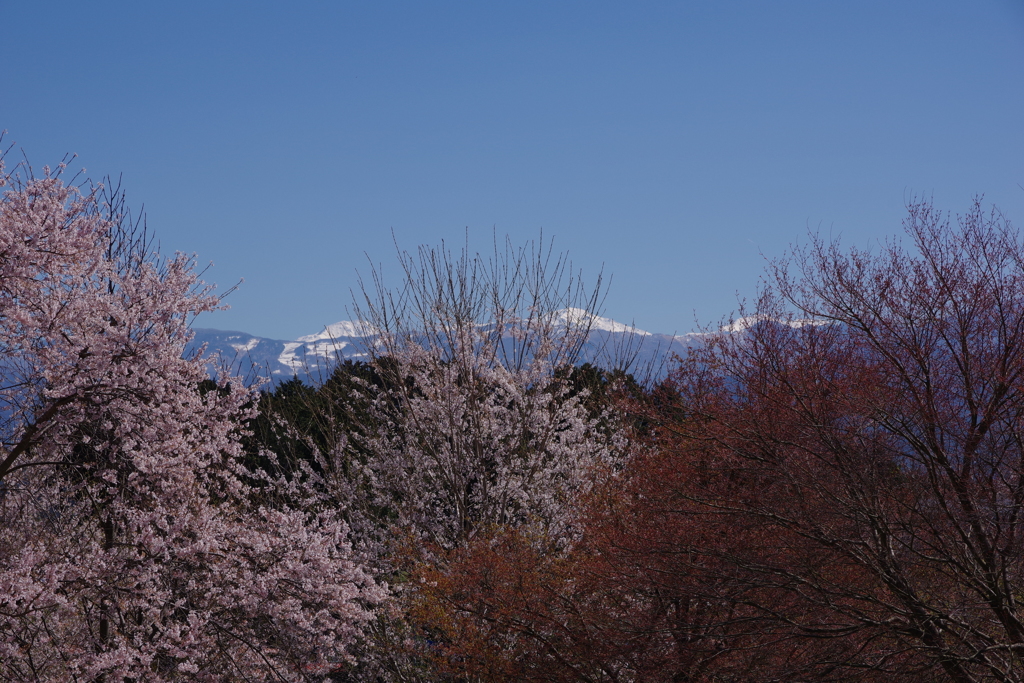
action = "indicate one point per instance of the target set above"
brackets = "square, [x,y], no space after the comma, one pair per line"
[478,427]
[135,544]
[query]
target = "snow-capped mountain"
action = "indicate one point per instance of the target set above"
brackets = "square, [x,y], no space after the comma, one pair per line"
[311,357]
[579,317]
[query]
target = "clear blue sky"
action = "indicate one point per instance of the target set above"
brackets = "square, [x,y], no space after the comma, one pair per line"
[678,144]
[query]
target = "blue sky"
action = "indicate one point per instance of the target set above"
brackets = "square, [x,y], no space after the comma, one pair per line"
[676,145]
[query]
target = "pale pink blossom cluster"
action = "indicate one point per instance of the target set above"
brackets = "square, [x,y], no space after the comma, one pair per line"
[134,542]
[478,427]
[477,445]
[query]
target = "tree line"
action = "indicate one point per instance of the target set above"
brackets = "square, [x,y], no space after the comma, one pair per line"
[827,489]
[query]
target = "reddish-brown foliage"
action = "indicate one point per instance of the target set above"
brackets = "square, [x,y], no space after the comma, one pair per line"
[834,492]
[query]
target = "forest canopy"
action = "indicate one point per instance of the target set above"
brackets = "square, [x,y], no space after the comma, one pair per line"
[831,490]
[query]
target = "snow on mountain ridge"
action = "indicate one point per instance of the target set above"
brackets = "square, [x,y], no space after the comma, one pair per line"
[342,328]
[577,316]
[567,316]
[247,346]
[311,356]
[745,323]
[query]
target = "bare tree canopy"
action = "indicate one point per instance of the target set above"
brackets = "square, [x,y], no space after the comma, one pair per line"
[514,305]
[877,412]
[831,490]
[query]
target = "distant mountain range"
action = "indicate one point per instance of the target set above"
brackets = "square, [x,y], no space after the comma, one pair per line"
[311,357]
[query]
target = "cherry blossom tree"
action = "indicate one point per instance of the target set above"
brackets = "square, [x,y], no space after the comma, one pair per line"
[477,426]
[134,543]
[466,418]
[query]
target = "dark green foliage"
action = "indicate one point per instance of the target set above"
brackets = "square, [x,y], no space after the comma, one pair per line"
[301,424]
[296,421]
[324,428]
